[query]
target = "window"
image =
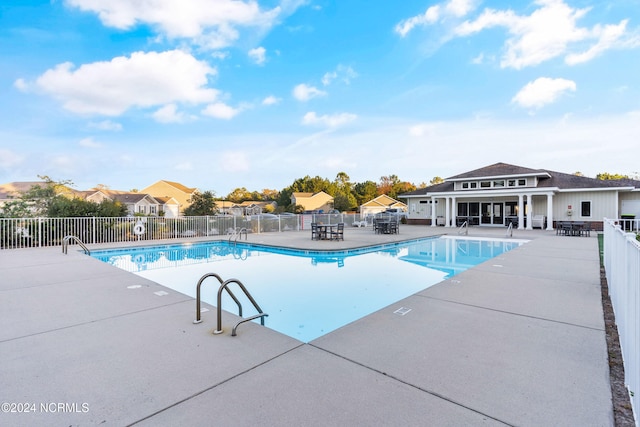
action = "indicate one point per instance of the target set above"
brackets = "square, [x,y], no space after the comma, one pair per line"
[585,208]
[498,183]
[465,185]
[522,182]
[485,184]
[463,209]
[511,183]
[473,185]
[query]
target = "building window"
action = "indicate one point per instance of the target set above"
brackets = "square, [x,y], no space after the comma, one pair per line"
[585,209]
[465,185]
[485,184]
[498,183]
[522,182]
[511,183]
[473,185]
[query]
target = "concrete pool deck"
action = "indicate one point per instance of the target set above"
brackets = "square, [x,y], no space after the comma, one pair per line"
[517,340]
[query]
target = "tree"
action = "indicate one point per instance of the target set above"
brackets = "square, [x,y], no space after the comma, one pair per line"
[202,204]
[606,176]
[64,207]
[365,191]
[239,195]
[436,180]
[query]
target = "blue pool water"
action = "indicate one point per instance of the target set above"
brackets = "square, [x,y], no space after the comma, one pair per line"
[307,293]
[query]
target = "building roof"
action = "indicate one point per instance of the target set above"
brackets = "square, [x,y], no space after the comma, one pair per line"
[546,179]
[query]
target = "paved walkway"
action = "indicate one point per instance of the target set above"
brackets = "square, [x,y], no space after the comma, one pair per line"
[518,340]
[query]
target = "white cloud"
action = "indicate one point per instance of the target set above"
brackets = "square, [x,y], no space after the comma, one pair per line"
[258,55]
[234,161]
[303,92]
[212,24]
[550,31]
[607,37]
[435,13]
[170,114]
[542,91]
[271,100]
[311,118]
[220,110]
[89,143]
[141,80]
[341,73]
[107,125]
[9,159]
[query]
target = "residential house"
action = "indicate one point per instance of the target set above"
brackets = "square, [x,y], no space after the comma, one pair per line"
[501,194]
[249,207]
[14,190]
[381,204]
[181,193]
[319,201]
[136,203]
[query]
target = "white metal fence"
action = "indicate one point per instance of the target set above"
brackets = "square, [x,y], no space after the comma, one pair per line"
[38,232]
[622,265]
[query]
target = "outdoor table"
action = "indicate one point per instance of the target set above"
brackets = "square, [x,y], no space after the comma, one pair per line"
[324,231]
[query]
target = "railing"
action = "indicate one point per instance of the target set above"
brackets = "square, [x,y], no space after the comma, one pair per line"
[224,286]
[65,244]
[622,265]
[464,228]
[510,230]
[41,232]
[237,233]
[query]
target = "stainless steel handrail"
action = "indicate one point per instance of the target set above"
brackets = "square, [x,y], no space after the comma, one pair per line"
[224,287]
[65,244]
[238,233]
[510,230]
[464,228]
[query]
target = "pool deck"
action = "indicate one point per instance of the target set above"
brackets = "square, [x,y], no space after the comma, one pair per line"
[518,340]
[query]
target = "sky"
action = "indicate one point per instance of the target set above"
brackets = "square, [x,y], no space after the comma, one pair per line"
[223,94]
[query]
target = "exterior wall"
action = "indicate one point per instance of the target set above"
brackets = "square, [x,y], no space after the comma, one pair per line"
[604,204]
[319,201]
[163,189]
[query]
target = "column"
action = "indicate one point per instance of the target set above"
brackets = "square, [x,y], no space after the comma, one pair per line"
[530,213]
[433,211]
[550,211]
[520,212]
[454,212]
[447,217]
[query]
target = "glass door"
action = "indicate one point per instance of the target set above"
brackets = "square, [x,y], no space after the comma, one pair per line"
[492,213]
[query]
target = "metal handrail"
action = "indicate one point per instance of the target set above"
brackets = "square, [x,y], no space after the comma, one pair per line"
[65,244]
[510,230]
[198,299]
[464,228]
[238,233]
[224,287]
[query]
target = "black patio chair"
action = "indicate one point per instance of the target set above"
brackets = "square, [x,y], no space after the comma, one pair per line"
[338,233]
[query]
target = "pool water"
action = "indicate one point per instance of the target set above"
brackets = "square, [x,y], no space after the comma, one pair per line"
[307,293]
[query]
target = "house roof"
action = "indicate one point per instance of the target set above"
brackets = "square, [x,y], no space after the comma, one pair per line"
[546,179]
[179,186]
[498,170]
[14,189]
[383,201]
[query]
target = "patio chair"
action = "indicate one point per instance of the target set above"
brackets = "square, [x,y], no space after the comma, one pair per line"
[338,234]
[315,234]
[586,229]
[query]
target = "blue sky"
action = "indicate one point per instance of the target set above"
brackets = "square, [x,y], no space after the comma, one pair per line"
[220,94]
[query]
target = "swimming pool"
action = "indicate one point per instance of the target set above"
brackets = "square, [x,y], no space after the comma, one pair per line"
[308,293]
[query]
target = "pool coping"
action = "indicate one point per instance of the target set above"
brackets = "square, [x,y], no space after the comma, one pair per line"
[518,344]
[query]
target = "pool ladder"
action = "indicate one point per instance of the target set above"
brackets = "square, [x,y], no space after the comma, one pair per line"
[464,228]
[224,287]
[237,233]
[65,244]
